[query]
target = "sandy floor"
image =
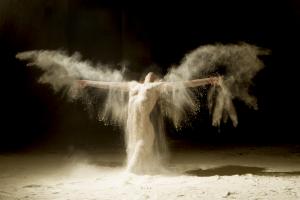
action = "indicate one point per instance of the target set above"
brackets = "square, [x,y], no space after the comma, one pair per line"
[229,173]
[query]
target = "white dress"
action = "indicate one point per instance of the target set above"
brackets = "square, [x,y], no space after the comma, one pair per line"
[140,133]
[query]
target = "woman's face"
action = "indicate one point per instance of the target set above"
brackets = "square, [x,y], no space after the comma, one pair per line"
[151,77]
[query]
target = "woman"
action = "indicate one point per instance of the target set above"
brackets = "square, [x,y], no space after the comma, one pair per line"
[139,130]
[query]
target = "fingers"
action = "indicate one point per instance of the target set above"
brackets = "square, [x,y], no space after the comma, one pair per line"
[214,80]
[81,83]
[217,80]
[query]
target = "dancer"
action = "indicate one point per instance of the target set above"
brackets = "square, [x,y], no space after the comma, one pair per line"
[140,132]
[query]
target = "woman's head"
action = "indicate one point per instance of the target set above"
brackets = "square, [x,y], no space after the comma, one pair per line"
[151,77]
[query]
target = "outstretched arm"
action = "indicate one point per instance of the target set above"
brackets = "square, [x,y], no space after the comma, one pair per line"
[104,85]
[201,82]
[195,83]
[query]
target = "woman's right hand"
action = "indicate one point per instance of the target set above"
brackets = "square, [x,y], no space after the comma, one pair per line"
[81,83]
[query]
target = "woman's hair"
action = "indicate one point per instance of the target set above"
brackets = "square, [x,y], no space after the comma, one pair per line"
[154,69]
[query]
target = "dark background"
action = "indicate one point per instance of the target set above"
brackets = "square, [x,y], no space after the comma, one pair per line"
[144,34]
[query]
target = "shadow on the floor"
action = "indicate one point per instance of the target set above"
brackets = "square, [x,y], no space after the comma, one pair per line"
[231,170]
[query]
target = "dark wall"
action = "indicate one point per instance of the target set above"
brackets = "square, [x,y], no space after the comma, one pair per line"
[143,34]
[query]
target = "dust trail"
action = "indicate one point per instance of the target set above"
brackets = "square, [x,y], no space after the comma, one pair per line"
[236,63]
[62,71]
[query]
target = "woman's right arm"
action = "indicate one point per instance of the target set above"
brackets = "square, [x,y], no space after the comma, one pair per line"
[104,84]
